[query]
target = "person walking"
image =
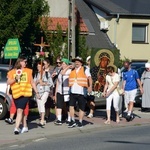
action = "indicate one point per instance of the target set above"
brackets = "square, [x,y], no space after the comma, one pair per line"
[78,83]
[145,79]
[130,80]
[90,98]
[21,82]
[62,91]
[13,111]
[111,93]
[54,76]
[48,105]
[43,82]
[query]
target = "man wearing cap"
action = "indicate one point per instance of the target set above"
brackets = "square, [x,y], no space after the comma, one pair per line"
[62,91]
[78,83]
[130,80]
[145,79]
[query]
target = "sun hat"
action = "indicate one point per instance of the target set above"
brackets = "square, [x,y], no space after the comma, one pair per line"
[147,65]
[88,58]
[77,59]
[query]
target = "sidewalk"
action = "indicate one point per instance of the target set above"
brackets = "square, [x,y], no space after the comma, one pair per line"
[36,133]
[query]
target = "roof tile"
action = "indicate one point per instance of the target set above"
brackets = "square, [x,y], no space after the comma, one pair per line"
[52,23]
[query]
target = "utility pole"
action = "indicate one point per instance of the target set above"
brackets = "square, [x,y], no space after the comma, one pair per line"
[71,30]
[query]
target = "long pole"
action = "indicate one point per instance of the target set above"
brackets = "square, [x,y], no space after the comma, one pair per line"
[71,29]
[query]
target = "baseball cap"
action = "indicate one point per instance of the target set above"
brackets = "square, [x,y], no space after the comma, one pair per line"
[65,60]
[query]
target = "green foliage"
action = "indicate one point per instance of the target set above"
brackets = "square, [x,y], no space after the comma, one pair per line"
[57,42]
[82,48]
[20,19]
[121,61]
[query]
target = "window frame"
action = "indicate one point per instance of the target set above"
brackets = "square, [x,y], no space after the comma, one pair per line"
[145,40]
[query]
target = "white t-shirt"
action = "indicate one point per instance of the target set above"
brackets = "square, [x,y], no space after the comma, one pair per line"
[111,80]
[65,82]
[77,89]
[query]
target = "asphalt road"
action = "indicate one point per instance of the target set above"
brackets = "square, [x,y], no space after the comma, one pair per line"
[126,138]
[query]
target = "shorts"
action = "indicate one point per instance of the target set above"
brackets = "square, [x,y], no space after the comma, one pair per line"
[74,98]
[60,101]
[49,103]
[90,98]
[21,102]
[129,96]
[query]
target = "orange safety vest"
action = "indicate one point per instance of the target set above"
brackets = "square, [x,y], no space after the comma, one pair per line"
[80,78]
[23,88]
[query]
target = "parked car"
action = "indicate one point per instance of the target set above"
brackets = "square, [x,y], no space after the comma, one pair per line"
[137,65]
[5,97]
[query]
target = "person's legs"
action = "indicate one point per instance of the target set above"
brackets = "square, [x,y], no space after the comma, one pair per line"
[108,108]
[19,117]
[24,120]
[132,95]
[132,100]
[47,108]
[42,107]
[39,104]
[12,113]
[82,103]
[26,110]
[60,104]
[126,100]
[20,105]
[72,104]
[92,107]
[71,110]
[116,99]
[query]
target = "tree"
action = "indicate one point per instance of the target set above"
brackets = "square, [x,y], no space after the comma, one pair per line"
[81,47]
[56,39]
[20,19]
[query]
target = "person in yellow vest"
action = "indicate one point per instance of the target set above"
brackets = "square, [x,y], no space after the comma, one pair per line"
[21,82]
[79,79]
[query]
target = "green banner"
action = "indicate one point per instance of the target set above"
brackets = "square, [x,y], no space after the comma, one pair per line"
[12,49]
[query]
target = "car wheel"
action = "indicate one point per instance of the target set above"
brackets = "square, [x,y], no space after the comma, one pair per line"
[3,108]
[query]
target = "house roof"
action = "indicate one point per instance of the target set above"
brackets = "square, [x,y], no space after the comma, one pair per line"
[122,7]
[96,38]
[52,23]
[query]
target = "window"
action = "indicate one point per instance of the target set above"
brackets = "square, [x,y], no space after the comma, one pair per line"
[139,33]
[3,75]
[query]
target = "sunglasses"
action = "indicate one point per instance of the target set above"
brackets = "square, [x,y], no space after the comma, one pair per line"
[58,62]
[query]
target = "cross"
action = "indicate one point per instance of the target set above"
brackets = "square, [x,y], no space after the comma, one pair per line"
[42,44]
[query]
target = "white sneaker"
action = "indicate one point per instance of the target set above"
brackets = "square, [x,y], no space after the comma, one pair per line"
[90,116]
[16,131]
[24,130]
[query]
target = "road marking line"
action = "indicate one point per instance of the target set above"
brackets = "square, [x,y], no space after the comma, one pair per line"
[41,139]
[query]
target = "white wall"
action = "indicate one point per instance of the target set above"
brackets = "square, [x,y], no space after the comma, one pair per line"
[58,8]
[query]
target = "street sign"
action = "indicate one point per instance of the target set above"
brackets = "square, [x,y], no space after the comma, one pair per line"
[12,49]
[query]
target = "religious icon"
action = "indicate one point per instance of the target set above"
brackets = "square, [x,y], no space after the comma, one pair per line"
[102,59]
